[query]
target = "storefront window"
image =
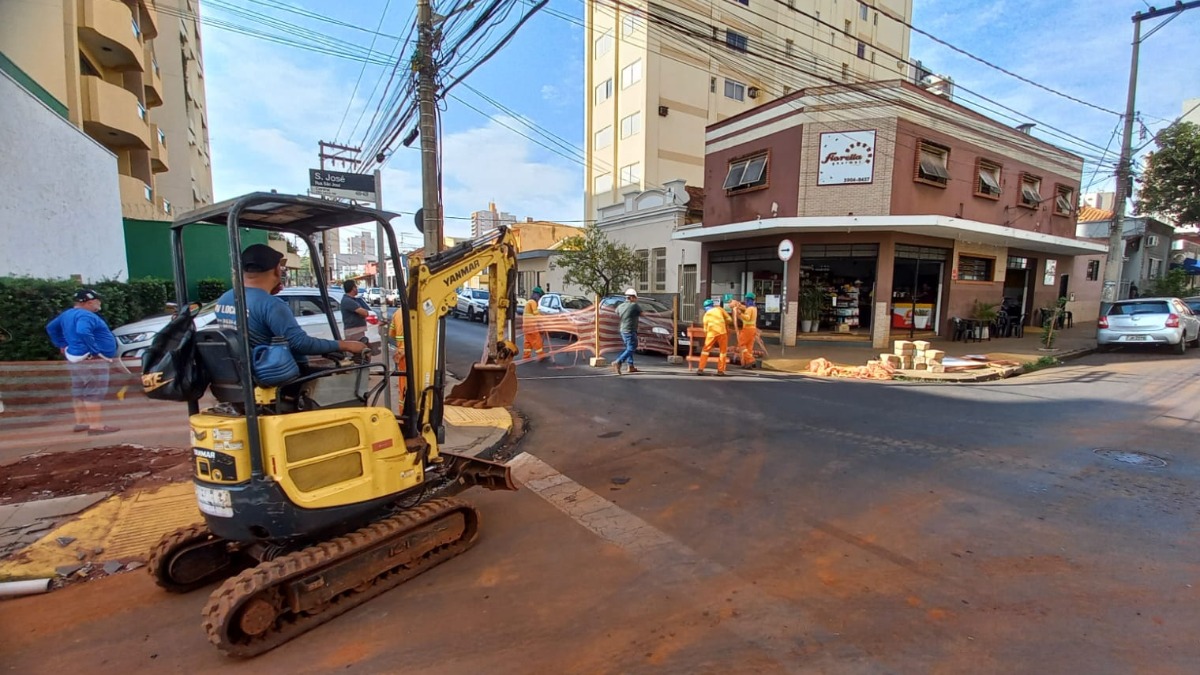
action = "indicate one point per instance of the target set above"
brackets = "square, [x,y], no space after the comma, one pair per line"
[972,268]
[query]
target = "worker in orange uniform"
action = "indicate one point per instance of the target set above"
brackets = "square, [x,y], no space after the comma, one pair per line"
[396,333]
[716,335]
[533,336]
[746,320]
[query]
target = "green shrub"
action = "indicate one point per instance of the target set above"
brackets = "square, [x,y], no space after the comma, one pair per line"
[210,289]
[27,305]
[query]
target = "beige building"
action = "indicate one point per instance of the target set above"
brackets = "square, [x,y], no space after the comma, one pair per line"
[129,74]
[658,74]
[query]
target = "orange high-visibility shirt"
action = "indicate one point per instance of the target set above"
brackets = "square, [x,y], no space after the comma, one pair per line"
[749,316]
[716,321]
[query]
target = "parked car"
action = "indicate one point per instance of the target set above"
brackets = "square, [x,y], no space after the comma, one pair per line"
[373,296]
[1193,303]
[1149,321]
[472,304]
[392,297]
[653,336]
[305,302]
[552,304]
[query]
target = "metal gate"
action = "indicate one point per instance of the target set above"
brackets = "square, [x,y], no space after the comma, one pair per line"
[687,293]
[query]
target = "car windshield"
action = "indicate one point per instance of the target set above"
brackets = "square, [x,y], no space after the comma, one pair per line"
[479,295]
[1136,308]
[376,290]
[569,302]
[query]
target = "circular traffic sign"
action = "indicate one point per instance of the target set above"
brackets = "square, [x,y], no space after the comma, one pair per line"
[786,250]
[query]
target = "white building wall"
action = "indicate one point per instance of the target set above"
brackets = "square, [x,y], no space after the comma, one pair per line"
[60,203]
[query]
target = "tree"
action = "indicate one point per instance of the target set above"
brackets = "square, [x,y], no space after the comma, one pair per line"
[594,263]
[1171,181]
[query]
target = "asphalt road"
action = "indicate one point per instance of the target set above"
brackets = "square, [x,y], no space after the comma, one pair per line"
[766,523]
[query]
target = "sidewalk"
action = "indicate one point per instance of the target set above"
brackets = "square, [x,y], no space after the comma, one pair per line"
[1069,343]
[94,534]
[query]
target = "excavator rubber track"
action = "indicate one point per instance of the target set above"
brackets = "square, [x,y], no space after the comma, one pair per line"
[279,599]
[192,557]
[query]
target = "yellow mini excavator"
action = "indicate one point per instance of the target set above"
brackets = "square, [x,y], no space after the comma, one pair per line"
[312,507]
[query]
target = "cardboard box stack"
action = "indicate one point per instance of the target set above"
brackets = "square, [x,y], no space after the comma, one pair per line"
[915,355]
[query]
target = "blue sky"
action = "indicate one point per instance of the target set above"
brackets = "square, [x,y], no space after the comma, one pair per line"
[269,104]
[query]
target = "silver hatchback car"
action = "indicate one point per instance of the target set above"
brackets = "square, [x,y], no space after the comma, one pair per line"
[1149,321]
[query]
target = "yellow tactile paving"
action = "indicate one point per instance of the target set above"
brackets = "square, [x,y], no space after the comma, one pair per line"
[478,417]
[124,526]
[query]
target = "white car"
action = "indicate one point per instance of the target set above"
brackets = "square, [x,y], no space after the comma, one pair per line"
[473,304]
[373,296]
[392,297]
[1149,321]
[305,302]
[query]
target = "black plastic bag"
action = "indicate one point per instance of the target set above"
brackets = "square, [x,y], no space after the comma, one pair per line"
[170,369]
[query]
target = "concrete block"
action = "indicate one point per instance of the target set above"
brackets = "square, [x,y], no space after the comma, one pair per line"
[900,345]
[921,345]
[906,363]
[935,355]
[675,359]
[890,359]
[937,368]
[920,366]
[598,362]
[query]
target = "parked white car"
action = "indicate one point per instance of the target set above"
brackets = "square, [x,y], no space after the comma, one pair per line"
[472,304]
[305,302]
[392,297]
[373,296]
[1149,321]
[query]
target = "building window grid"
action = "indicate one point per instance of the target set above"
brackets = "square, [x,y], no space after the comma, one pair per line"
[631,174]
[166,206]
[659,258]
[1063,199]
[643,278]
[604,43]
[1030,195]
[750,172]
[789,47]
[987,180]
[631,74]
[862,11]
[137,30]
[631,125]
[162,138]
[141,110]
[1093,270]
[148,193]
[933,161]
[736,41]
[735,90]
[604,91]
[603,138]
[975,268]
[602,183]
[862,50]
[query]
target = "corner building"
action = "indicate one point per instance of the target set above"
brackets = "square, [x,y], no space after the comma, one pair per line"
[904,209]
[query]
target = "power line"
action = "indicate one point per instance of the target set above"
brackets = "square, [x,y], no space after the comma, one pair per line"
[387,5]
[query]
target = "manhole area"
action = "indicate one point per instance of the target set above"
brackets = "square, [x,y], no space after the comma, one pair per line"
[1131,457]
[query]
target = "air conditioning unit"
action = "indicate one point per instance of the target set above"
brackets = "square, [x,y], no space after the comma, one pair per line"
[1152,240]
[752,92]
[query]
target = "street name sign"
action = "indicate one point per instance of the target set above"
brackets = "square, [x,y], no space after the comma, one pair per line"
[356,186]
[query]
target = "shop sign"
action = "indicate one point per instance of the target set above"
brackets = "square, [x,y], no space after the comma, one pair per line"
[847,157]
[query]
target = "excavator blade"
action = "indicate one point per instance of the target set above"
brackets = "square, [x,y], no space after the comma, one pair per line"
[488,385]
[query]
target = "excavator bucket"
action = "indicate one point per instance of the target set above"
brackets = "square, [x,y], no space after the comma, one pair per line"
[488,385]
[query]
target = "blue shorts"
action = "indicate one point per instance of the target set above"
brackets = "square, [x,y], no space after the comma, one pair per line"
[89,380]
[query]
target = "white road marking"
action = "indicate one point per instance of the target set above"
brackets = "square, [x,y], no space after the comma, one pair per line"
[783,630]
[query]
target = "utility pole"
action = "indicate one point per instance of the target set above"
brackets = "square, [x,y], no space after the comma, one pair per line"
[380,249]
[431,203]
[1116,248]
[334,154]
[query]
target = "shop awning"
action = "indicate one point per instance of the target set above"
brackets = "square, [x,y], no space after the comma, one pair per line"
[942,227]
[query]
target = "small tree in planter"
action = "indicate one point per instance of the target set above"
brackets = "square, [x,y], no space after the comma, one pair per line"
[811,301]
[1048,332]
[985,313]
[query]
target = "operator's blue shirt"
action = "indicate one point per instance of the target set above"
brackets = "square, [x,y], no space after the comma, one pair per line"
[270,316]
[83,333]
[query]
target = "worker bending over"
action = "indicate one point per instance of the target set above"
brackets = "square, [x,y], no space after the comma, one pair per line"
[529,325]
[716,335]
[746,318]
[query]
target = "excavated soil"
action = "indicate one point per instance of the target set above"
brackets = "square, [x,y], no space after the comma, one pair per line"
[108,469]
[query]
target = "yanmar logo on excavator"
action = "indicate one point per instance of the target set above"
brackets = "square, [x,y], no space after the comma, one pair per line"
[453,279]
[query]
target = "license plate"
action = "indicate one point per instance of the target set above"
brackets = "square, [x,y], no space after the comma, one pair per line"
[1135,338]
[214,502]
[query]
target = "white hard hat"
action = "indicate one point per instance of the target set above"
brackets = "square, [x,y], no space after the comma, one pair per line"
[630,291]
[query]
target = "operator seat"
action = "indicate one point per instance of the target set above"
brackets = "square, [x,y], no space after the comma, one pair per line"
[220,351]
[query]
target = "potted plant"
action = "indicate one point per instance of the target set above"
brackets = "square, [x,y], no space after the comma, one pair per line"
[985,313]
[811,301]
[1049,321]
[921,318]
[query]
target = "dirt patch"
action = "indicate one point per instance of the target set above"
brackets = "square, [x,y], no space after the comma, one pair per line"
[113,468]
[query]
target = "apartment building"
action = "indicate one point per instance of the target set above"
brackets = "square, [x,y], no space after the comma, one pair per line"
[904,210]
[128,73]
[658,72]
[485,221]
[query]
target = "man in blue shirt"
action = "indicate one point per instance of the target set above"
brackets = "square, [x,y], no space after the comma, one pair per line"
[89,346]
[262,275]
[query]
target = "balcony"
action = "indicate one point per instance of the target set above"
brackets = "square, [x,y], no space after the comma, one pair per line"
[158,150]
[109,30]
[152,81]
[135,193]
[149,22]
[112,115]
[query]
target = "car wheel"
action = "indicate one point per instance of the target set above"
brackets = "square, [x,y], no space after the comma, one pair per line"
[470,314]
[1181,347]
